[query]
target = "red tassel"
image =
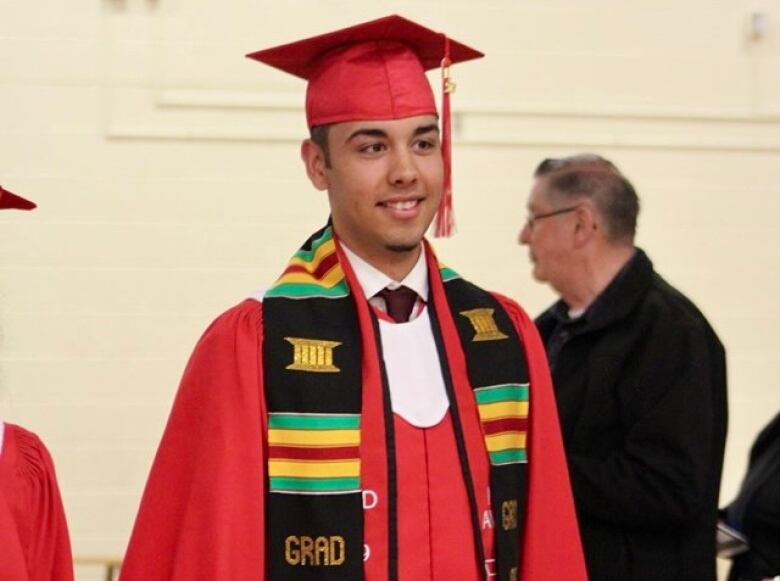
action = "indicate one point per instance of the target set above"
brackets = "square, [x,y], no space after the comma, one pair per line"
[445,218]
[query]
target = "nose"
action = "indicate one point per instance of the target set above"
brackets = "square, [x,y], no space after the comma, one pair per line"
[525,234]
[403,171]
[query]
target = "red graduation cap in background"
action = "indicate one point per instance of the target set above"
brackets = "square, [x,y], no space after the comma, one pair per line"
[10,200]
[376,71]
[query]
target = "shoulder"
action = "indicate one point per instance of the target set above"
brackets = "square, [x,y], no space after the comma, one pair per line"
[467,289]
[666,328]
[26,454]
[230,342]
[670,308]
[643,298]
[222,370]
[526,328]
[547,320]
[513,309]
[23,440]
[247,312]
[244,319]
[466,292]
[766,438]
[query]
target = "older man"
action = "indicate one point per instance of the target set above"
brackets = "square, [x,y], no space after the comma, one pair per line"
[639,376]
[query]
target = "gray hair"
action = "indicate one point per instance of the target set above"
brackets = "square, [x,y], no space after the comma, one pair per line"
[587,175]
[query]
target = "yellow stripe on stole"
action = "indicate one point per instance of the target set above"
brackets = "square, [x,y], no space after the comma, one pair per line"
[323,251]
[503,409]
[314,468]
[334,276]
[314,438]
[505,441]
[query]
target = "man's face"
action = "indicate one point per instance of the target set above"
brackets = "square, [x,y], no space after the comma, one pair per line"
[384,184]
[550,239]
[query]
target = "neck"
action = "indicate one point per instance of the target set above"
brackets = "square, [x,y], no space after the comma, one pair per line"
[399,264]
[594,273]
[396,265]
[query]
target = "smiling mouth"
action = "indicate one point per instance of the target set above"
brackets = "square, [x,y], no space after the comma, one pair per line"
[403,205]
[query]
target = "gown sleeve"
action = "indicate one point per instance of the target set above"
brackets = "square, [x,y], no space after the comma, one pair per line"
[552,547]
[34,537]
[202,512]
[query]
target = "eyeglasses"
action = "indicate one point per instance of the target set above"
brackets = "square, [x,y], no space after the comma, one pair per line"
[531,220]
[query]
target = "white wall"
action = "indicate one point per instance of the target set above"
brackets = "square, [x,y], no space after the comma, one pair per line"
[166,169]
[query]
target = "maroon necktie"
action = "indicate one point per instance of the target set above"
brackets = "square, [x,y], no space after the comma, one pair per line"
[400,302]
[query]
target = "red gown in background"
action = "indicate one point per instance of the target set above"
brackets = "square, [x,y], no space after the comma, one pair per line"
[34,542]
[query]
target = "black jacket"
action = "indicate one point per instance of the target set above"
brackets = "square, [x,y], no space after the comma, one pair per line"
[641,385]
[756,510]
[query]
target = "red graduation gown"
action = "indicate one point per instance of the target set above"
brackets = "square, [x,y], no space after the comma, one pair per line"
[202,513]
[34,542]
[433,514]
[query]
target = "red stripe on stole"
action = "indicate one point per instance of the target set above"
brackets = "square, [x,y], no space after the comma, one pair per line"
[373,443]
[464,399]
[322,269]
[319,453]
[506,425]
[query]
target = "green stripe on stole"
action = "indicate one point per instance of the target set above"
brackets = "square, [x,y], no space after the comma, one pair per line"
[500,393]
[515,456]
[314,421]
[308,291]
[307,254]
[314,485]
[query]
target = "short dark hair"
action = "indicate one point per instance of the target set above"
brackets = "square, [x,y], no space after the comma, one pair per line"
[319,135]
[587,175]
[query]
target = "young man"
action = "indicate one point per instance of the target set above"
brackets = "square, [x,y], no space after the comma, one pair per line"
[376,416]
[34,542]
[639,376]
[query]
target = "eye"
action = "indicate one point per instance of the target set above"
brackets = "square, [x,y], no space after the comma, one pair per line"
[372,148]
[426,144]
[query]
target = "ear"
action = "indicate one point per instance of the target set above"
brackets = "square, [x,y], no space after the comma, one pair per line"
[587,226]
[314,159]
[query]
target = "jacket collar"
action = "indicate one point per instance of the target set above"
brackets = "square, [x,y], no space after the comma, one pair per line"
[614,303]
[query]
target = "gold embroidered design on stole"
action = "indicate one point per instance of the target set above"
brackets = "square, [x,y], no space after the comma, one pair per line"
[509,515]
[314,355]
[484,325]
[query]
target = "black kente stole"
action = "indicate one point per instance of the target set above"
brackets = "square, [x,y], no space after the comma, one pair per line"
[330,428]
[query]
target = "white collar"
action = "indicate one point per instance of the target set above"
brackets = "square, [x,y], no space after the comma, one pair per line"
[373,280]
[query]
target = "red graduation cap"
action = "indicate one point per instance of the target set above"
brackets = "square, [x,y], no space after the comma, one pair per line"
[375,71]
[10,200]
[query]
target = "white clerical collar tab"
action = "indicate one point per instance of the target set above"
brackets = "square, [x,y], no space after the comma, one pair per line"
[417,391]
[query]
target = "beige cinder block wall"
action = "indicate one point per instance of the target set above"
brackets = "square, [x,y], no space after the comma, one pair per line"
[166,168]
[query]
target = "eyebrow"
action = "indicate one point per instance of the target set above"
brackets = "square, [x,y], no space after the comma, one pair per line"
[426,129]
[375,132]
[368,133]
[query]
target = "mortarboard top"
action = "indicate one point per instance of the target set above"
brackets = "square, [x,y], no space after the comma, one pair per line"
[375,71]
[9,200]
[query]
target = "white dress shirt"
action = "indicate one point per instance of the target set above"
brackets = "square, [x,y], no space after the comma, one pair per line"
[417,391]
